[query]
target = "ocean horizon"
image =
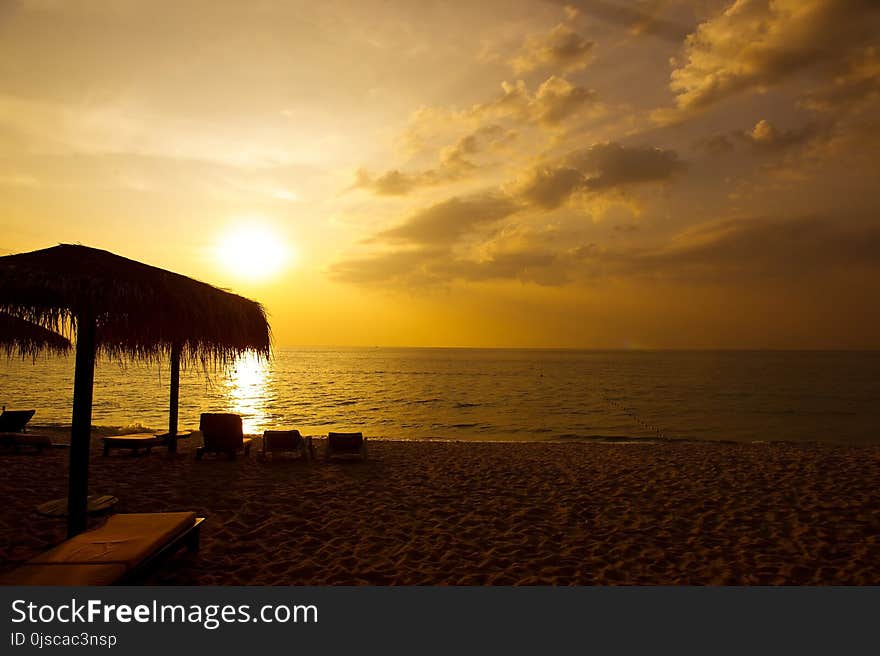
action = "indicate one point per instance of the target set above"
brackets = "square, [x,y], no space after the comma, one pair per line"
[489,394]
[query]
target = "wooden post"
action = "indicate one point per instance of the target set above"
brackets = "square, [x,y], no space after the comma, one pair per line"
[174,398]
[81,424]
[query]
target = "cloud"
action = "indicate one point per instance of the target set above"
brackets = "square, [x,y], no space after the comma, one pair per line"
[557,99]
[549,187]
[600,167]
[765,136]
[449,241]
[428,268]
[447,221]
[456,162]
[750,252]
[561,49]
[487,137]
[637,16]
[756,250]
[394,182]
[613,165]
[754,44]
[554,101]
[858,83]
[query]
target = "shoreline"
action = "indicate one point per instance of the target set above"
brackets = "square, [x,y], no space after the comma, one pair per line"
[456,513]
[61,431]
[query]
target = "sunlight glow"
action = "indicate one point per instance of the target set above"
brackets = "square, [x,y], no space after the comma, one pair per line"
[247,382]
[254,252]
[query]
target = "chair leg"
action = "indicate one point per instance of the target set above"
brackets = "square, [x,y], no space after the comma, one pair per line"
[106,449]
[199,452]
[192,540]
[247,449]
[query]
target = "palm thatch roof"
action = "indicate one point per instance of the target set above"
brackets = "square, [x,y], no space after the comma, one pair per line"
[26,339]
[140,311]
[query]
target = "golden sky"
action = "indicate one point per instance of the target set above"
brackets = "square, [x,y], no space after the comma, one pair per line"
[606,174]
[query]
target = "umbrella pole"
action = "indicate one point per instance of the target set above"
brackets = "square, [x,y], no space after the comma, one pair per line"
[81,425]
[174,398]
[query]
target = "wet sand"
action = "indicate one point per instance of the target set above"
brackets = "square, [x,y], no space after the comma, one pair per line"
[488,513]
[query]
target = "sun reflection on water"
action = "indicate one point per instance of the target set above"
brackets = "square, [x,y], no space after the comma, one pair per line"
[247,384]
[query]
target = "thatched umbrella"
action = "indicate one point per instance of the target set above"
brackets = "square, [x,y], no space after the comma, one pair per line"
[124,309]
[26,339]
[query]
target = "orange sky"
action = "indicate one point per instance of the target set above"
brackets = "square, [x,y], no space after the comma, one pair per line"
[664,173]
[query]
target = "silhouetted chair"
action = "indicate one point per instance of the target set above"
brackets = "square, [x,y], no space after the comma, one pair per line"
[346,445]
[286,441]
[222,433]
[14,421]
[120,551]
[18,440]
[12,435]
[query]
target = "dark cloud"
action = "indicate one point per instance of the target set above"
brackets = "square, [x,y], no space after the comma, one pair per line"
[407,268]
[754,44]
[860,82]
[750,252]
[550,187]
[600,167]
[765,137]
[637,16]
[430,268]
[612,165]
[445,222]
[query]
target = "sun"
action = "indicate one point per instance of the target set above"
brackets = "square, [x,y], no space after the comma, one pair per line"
[254,252]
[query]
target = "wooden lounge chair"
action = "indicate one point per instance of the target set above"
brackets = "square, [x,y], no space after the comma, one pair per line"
[12,435]
[287,441]
[222,433]
[346,445]
[133,441]
[18,440]
[117,552]
[137,441]
[14,421]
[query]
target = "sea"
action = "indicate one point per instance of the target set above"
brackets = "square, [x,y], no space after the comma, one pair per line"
[628,396]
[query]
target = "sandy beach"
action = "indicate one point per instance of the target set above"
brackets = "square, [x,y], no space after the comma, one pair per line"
[490,513]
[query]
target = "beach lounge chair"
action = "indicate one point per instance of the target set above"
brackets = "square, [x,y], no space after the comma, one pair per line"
[14,421]
[287,441]
[18,440]
[222,433]
[346,445]
[12,435]
[133,442]
[117,552]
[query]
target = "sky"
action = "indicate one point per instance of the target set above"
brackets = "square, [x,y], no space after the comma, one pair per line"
[583,174]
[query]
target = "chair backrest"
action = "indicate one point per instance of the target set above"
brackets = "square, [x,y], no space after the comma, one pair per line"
[281,439]
[221,431]
[14,421]
[345,441]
